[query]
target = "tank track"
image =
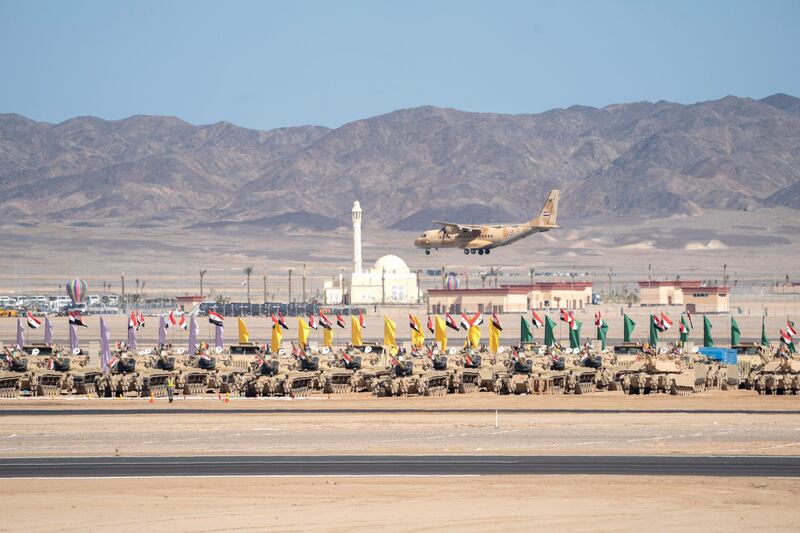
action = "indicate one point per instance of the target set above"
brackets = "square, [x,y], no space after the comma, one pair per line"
[338,384]
[9,387]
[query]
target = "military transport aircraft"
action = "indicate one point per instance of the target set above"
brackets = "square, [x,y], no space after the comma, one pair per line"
[481,238]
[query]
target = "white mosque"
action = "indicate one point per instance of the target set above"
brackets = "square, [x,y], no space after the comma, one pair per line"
[389,281]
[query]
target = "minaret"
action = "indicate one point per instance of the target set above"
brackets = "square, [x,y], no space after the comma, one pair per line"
[356,237]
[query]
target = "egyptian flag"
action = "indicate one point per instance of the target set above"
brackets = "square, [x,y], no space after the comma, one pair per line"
[413,324]
[133,321]
[282,321]
[141,321]
[430,324]
[450,322]
[76,320]
[496,322]
[33,322]
[477,319]
[340,321]
[566,316]
[324,322]
[361,321]
[666,322]
[598,319]
[312,322]
[689,316]
[215,318]
[786,338]
[658,323]
[464,322]
[790,329]
[536,320]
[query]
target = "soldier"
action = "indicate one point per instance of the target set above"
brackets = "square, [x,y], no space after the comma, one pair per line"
[170,387]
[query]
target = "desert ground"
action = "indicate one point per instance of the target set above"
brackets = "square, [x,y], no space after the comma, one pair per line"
[704,424]
[510,503]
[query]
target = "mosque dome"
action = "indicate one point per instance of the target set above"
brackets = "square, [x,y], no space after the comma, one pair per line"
[391,264]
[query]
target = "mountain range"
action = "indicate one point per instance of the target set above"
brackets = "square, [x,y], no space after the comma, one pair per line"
[407,167]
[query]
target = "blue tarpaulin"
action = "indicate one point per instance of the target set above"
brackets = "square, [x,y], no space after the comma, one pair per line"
[725,355]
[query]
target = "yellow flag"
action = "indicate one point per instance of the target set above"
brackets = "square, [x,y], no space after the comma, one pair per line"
[303,329]
[474,336]
[494,337]
[355,332]
[389,332]
[327,337]
[440,330]
[244,335]
[417,335]
[277,336]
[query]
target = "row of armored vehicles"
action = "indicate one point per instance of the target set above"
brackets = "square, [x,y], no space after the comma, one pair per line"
[252,371]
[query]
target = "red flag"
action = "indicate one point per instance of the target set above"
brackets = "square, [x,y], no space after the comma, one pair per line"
[312,321]
[33,322]
[496,322]
[666,322]
[323,321]
[340,320]
[361,321]
[430,324]
[413,324]
[450,322]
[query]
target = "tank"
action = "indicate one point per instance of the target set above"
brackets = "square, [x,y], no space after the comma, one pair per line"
[551,375]
[85,374]
[749,357]
[654,374]
[434,378]
[262,379]
[519,375]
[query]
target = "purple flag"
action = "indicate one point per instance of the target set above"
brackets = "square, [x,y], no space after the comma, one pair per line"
[162,331]
[105,349]
[73,338]
[48,331]
[193,331]
[20,334]
[218,337]
[132,339]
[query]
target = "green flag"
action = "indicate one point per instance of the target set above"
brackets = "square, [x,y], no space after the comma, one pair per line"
[602,331]
[575,335]
[735,333]
[708,342]
[764,339]
[628,331]
[525,335]
[684,329]
[653,333]
[549,336]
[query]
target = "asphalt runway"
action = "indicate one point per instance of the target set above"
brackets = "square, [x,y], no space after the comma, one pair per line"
[398,465]
[398,411]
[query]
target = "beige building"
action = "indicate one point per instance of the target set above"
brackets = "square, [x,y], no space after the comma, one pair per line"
[511,298]
[695,296]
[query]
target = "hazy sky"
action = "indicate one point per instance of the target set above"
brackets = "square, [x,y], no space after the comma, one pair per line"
[271,64]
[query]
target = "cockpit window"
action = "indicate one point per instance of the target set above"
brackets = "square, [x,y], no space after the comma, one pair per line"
[422,235]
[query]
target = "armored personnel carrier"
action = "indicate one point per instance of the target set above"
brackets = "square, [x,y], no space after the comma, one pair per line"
[778,374]
[14,375]
[465,375]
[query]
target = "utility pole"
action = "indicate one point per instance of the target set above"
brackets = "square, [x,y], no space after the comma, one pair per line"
[466,277]
[290,285]
[125,307]
[610,273]
[443,278]
[725,275]
[649,275]
[304,282]
[264,277]
[532,272]
[383,286]
[202,275]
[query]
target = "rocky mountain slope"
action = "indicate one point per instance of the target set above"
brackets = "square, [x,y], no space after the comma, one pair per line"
[407,167]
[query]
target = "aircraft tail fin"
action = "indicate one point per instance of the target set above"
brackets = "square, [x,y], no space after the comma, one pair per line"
[547,217]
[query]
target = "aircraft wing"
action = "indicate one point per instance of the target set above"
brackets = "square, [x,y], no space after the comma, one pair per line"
[451,227]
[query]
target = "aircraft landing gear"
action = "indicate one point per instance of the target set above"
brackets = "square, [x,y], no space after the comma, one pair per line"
[488,250]
[480,251]
[427,252]
[466,251]
[473,251]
